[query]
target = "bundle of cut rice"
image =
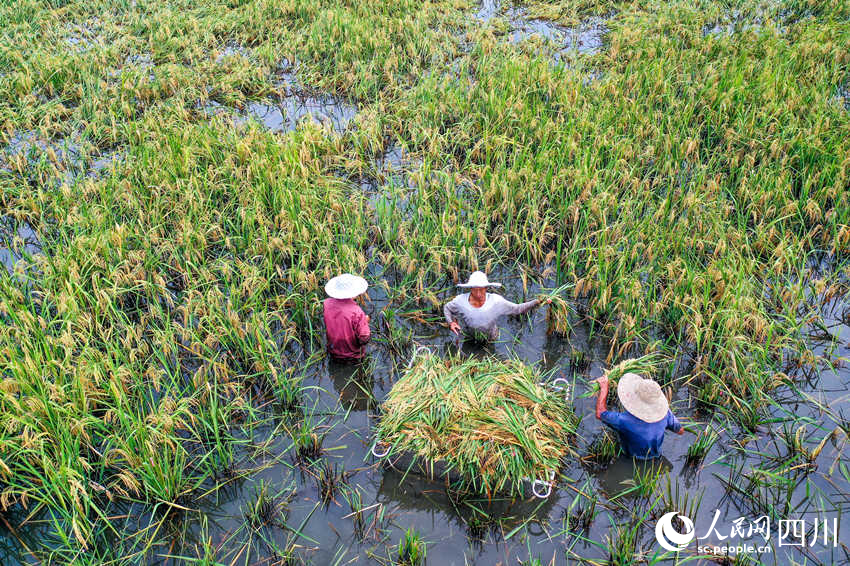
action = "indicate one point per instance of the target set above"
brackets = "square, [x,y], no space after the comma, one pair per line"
[490,422]
[645,366]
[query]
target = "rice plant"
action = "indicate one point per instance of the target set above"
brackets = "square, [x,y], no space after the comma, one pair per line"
[581,513]
[266,507]
[644,480]
[330,479]
[411,549]
[602,450]
[353,497]
[579,360]
[701,445]
[622,544]
[307,439]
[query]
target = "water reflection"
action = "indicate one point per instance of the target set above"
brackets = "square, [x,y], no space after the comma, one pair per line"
[353,382]
[618,478]
[411,492]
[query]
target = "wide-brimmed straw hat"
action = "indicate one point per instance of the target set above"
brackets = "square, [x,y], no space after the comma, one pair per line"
[346,286]
[642,397]
[478,279]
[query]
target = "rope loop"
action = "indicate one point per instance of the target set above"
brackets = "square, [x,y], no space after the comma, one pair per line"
[377,455]
[415,353]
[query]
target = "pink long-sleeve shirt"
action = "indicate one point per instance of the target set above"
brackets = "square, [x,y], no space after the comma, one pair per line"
[347,328]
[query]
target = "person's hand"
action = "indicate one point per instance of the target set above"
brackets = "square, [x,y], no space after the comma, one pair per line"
[368,318]
[454,327]
[544,301]
[603,382]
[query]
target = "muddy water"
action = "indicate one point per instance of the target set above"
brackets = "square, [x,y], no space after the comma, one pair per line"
[17,240]
[295,103]
[842,96]
[284,115]
[586,38]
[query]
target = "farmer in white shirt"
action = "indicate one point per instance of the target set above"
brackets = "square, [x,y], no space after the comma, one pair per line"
[479,310]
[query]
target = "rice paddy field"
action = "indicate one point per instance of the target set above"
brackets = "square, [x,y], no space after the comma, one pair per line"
[179,179]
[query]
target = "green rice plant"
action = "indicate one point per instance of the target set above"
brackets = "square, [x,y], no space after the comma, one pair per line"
[701,445]
[797,445]
[489,420]
[581,513]
[682,501]
[306,440]
[399,338]
[764,489]
[352,496]
[579,360]
[330,479]
[602,450]
[411,549]
[266,508]
[621,546]
[644,480]
[559,311]
[645,366]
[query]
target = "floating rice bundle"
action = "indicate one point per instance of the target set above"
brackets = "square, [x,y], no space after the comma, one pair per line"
[488,424]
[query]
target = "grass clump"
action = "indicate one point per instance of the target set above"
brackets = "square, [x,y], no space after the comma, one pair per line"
[411,549]
[489,420]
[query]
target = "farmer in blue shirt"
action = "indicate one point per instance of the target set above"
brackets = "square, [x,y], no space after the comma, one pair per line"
[647,415]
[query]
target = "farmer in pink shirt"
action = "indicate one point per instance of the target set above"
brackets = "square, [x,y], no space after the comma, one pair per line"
[346,323]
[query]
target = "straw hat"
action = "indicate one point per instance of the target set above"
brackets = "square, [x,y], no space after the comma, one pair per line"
[346,286]
[642,397]
[478,279]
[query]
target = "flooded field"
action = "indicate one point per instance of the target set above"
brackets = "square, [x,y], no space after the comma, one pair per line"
[179,181]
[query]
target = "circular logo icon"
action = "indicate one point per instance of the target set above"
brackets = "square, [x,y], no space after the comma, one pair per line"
[669,537]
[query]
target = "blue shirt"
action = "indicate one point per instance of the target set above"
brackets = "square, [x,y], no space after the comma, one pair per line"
[640,439]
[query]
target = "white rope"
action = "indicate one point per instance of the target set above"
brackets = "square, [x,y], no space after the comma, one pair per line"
[554,385]
[537,493]
[414,354]
[538,482]
[387,451]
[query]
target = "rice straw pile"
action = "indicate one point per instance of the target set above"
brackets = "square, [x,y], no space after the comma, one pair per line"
[489,420]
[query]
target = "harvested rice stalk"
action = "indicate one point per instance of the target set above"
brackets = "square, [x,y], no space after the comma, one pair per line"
[488,420]
[644,366]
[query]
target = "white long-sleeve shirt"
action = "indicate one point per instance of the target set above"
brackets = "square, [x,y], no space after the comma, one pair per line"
[483,318]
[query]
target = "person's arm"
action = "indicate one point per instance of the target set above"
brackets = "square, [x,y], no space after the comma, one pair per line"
[361,328]
[509,308]
[450,311]
[674,424]
[601,400]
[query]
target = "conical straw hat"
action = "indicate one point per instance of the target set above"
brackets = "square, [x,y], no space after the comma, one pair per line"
[642,397]
[478,279]
[346,286]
